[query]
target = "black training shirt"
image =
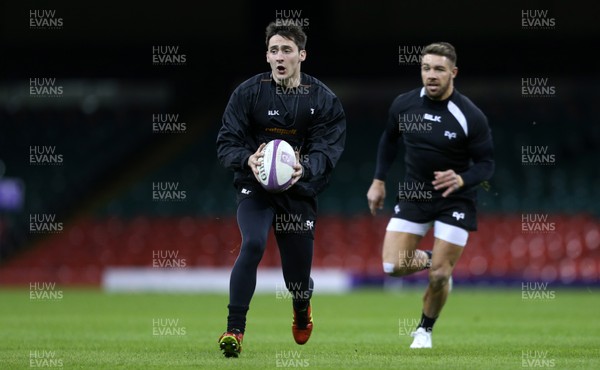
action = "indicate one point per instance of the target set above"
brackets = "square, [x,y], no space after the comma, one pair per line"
[437,136]
[309,117]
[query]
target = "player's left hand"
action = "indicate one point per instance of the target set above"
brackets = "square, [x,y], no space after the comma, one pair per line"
[449,180]
[298,170]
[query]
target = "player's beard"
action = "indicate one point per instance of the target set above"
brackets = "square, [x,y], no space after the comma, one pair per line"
[439,91]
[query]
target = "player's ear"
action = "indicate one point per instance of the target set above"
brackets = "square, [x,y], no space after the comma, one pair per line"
[454,71]
[302,55]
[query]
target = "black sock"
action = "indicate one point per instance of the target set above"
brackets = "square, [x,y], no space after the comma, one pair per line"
[236,320]
[301,305]
[426,323]
[301,298]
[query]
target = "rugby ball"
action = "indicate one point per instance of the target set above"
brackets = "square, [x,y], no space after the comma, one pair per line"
[277,166]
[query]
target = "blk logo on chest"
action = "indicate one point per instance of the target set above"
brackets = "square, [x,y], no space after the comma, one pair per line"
[431,117]
[273,112]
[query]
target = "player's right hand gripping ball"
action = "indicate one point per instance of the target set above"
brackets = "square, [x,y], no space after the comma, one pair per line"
[277,166]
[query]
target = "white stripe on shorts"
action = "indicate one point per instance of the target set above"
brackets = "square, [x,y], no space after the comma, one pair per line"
[450,233]
[404,226]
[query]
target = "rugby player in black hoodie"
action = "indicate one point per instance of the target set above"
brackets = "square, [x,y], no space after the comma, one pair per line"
[287,104]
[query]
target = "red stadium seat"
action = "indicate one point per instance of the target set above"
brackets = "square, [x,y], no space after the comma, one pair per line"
[498,250]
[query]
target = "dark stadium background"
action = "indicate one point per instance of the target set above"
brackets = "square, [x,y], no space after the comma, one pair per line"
[101,193]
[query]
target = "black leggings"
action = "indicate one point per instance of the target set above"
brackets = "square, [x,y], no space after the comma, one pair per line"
[255,218]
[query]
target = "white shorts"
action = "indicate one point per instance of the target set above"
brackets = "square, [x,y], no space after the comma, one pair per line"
[450,233]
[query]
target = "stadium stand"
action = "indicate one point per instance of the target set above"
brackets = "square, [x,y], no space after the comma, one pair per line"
[102,194]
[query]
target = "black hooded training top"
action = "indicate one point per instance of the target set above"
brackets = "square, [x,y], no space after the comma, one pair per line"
[309,117]
[437,135]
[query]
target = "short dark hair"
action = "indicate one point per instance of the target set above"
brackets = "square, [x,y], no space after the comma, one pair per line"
[443,49]
[291,32]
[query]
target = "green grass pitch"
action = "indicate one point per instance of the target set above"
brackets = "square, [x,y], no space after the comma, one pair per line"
[479,329]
